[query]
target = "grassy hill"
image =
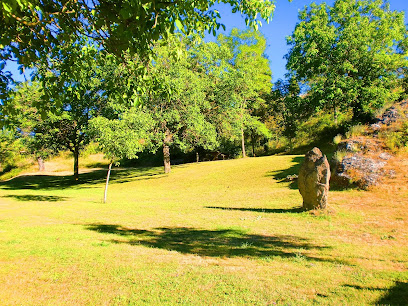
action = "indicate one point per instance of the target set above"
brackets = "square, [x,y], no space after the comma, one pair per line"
[223,232]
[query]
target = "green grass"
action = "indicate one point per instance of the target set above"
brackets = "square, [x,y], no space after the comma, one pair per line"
[224,232]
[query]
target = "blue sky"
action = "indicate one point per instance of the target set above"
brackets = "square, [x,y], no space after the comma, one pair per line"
[282,25]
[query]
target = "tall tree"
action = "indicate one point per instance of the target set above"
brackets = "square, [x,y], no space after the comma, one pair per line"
[247,81]
[25,119]
[288,107]
[178,101]
[72,83]
[349,54]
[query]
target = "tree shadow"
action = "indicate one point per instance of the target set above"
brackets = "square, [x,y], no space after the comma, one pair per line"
[396,295]
[48,182]
[38,198]
[293,210]
[280,175]
[213,243]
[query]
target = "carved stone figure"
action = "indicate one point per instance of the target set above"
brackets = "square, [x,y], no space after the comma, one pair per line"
[314,176]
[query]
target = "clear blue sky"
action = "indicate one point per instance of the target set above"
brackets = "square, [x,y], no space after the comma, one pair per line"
[282,25]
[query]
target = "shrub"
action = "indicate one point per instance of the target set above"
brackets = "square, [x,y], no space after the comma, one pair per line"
[396,140]
[356,130]
[337,139]
[339,155]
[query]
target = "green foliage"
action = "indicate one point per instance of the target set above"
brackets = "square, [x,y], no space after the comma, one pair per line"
[337,139]
[339,155]
[242,85]
[9,150]
[123,137]
[356,130]
[350,55]
[397,139]
[30,29]
[288,107]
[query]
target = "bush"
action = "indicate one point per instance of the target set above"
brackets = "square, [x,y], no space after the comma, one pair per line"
[337,139]
[396,140]
[356,130]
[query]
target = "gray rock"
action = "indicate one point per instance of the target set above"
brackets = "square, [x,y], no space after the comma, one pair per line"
[385,156]
[390,115]
[313,180]
[366,172]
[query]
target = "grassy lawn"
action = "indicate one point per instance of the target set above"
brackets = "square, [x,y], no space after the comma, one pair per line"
[224,232]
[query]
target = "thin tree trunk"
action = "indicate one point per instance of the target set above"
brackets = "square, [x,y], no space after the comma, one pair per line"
[166,158]
[76,163]
[253,145]
[41,165]
[107,182]
[335,114]
[243,143]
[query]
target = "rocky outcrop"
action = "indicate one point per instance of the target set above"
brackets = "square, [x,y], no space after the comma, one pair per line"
[391,115]
[358,170]
[313,180]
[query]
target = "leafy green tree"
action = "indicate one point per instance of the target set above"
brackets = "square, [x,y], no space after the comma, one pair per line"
[178,101]
[247,81]
[288,107]
[25,119]
[123,137]
[349,54]
[72,84]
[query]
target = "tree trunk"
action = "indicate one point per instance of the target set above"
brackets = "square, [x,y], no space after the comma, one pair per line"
[76,164]
[166,158]
[253,145]
[41,165]
[335,114]
[243,143]
[197,157]
[107,182]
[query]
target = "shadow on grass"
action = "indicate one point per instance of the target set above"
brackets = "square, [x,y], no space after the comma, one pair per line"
[280,175]
[262,210]
[38,198]
[90,178]
[396,295]
[214,243]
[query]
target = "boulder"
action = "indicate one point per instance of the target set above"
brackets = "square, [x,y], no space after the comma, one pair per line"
[359,170]
[313,180]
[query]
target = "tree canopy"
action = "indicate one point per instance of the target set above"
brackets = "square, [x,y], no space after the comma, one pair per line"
[31,29]
[349,54]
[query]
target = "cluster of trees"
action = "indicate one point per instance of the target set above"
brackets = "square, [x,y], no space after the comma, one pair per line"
[200,97]
[137,76]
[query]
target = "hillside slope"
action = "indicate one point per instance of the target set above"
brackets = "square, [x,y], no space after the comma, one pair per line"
[228,232]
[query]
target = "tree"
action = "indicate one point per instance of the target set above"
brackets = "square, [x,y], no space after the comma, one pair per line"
[31,29]
[123,137]
[247,81]
[349,55]
[288,107]
[73,93]
[177,102]
[25,119]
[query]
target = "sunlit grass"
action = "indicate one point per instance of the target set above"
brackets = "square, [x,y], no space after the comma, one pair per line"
[224,232]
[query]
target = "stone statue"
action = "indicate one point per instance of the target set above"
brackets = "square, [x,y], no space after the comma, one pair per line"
[314,176]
